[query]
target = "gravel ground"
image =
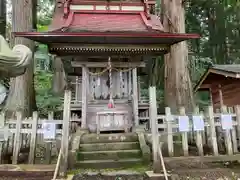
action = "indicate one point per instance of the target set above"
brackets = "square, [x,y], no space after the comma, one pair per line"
[205,171]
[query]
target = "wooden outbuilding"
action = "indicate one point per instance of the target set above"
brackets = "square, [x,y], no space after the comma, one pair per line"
[223,84]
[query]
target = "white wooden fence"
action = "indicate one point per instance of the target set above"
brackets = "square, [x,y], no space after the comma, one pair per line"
[223,125]
[19,133]
[213,129]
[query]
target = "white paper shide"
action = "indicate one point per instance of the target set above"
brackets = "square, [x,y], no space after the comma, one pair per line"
[198,123]
[49,130]
[226,121]
[183,123]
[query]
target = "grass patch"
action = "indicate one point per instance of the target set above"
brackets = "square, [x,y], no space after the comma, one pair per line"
[139,168]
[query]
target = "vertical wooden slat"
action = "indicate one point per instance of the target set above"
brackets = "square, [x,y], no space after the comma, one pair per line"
[65,134]
[228,139]
[2,125]
[17,143]
[49,144]
[234,133]
[85,79]
[184,134]
[199,140]
[129,84]
[33,140]
[212,130]
[135,97]
[154,128]
[169,119]
[237,111]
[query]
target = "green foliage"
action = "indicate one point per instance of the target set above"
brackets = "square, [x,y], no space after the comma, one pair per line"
[45,98]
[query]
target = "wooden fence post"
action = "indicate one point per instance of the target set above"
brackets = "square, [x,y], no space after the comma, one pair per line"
[31,156]
[49,144]
[65,132]
[154,128]
[184,134]
[2,125]
[228,139]
[212,131]
[199,140]
[169,121]
[234,131]
[17,137]
[237,111]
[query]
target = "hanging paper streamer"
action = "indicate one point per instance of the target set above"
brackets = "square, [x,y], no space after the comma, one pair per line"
[198,123]
[226,121]
[98,81]
[49,130]
[183,123]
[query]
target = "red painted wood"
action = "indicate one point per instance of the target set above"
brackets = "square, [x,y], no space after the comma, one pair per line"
[108,22]
[107,34]
[84,2]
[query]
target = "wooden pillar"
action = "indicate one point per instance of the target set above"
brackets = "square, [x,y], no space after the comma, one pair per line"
[135,97]
[211,97]
[129,84]
[139,88]
[154,129]
[78,90]
[65,132]
[220,96]
[85,84]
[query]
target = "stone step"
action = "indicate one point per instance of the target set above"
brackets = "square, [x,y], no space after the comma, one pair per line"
[109,138]
[111,155]
[106,164]
[109,146]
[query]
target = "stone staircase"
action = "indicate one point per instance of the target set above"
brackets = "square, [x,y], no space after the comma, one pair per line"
[119,150]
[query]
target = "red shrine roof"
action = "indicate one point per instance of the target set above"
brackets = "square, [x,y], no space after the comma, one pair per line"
[105,22]
[99,16]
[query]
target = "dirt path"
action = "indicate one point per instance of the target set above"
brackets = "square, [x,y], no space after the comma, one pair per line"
[205,171]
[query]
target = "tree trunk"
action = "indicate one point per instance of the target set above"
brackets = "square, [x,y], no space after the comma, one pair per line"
[3,17]
[21,92]
[178,87]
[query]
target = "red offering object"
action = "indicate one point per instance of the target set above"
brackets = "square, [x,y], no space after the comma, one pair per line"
[110,105]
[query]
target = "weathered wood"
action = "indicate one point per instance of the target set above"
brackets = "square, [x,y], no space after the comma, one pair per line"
[169,121]
[49,144]
[135,96]
[2,124]
[17,143]
[129,84]
[212,130]
[85,78]
[105,64]
[237,111]
[78,89]
[228,139]
[199,140]
[33,138]
[154,128]
[65,134]
[184,134]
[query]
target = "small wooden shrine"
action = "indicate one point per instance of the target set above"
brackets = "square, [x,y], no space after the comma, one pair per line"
[103,46]
[223,84]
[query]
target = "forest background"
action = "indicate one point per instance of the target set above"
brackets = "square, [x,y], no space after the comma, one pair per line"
[217,22]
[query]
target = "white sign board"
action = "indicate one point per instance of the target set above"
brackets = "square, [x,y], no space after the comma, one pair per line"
[198,123]
[226,121]
[49,130]
[183,123]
